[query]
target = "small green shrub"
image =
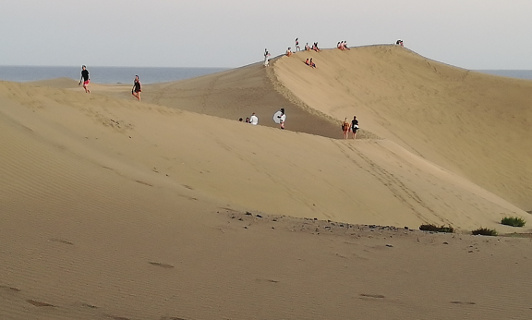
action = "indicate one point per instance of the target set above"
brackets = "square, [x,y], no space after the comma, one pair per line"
[431,227]
[513,222]
[485,232]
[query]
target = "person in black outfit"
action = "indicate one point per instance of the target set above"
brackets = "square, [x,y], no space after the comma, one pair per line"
[354,127]
[137,89]
[85,78]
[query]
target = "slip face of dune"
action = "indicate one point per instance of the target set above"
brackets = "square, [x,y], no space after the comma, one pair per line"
[114,209]
[474,124]
[236,94]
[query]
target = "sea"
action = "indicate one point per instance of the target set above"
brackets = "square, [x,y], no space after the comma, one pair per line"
[103,75]
[148,75]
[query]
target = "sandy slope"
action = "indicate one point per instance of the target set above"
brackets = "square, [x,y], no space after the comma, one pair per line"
[113,209]
[475,124]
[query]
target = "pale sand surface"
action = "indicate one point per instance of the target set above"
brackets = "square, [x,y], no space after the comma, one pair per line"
[114,209]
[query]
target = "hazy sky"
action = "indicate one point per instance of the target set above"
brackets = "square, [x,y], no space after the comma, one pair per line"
[472,34]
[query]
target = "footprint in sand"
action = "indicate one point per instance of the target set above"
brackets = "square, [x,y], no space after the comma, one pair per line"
[374,296]
[162,265]
[62,241]
[144,183]
[117,318]
[39,303]
[463,302]
[9,289]
[88,305]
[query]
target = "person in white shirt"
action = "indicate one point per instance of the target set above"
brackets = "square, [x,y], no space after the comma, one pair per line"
[254,120]
[282,118]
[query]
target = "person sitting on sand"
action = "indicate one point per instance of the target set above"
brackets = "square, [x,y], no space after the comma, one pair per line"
[311,64]
[137,88]
[307,47]
[354,127]
[315,47]
[345,128]
[307,62]
[254,120]
[345,45]
[289,52]
[282,118]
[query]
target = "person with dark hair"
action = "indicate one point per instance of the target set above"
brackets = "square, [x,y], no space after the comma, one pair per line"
[266,57]
[282,118]
[289,52]
[137,88]
[354,127]
[254,120]
[345,45]
[85,78]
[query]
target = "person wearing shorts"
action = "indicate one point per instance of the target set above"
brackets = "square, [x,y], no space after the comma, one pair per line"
[85,78]
[345,128]
[137,88]
[354,127]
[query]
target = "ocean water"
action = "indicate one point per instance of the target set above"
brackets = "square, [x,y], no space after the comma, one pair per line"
[126,75]
[519,74]
[103,75]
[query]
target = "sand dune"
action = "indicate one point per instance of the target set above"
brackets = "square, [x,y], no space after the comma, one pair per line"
[474,124]
[172,209]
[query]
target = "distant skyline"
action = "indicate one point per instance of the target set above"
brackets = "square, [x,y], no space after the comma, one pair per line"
[471,34]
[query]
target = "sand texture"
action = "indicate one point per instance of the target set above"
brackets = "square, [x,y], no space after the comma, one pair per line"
[173,209]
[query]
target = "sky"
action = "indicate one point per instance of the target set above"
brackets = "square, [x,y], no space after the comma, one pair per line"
[471,34]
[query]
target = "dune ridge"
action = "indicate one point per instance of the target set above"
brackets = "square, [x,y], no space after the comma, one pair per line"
[172,209]
[466,121]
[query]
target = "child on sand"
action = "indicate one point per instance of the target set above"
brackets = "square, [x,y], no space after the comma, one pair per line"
[85,78]
[137,89]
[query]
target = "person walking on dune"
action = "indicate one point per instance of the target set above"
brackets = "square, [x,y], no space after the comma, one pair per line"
[85,78]
[137,88]
[354,127]
[345,128]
